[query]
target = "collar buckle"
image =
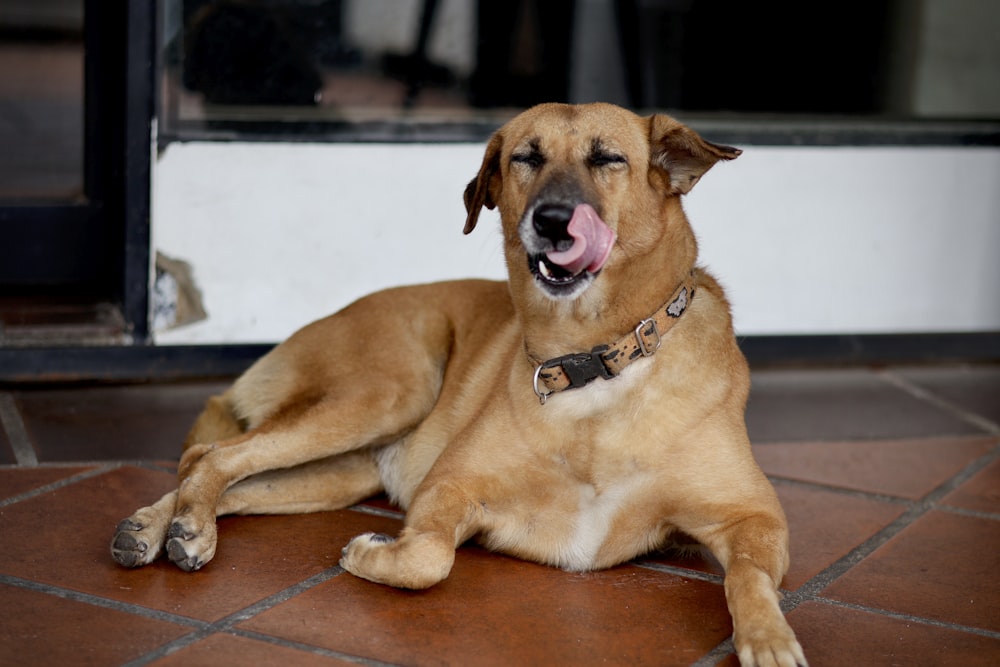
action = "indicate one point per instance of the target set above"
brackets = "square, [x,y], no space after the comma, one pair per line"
[640,337]
[580,368]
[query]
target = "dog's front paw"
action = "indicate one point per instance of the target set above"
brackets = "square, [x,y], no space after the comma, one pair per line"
[770,647]
[359,550]
[189,544]
[138,540]
[412,561]
[135,544]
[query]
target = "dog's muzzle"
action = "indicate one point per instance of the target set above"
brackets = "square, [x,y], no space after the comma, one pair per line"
[567,247]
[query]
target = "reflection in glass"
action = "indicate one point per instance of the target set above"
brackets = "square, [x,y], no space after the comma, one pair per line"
[238,64]
[41,100]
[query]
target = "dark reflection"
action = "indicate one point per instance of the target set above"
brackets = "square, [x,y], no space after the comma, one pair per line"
[322,61]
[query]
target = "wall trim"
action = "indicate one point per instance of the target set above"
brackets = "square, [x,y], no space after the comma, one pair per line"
[143,363]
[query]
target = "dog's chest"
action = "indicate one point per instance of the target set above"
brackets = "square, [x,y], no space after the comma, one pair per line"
[599,493]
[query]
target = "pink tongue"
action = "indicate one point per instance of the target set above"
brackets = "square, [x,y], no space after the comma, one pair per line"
[592,241]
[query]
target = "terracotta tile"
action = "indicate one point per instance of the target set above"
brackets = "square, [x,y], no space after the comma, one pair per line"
[825,526]
[841,404]
[980,493]
[836,636]
[62,538]
[112,422]
[218,650]
[942,567]
[691,557]
[43,630]
[905,468]
[15,481]
[494,610]
[973,388]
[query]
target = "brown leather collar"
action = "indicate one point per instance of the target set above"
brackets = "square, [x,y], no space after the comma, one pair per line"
[607,361]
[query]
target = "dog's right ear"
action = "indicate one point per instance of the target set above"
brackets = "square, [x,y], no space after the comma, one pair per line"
[681,155]
[484,189]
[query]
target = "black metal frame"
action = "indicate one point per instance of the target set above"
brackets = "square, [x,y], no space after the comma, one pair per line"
[747,130]
[102,242]
[185,362]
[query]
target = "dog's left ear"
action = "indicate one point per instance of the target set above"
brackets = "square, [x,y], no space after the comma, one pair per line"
[681,154]
[484,189]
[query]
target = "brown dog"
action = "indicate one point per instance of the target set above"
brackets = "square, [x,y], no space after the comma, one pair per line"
[577,415]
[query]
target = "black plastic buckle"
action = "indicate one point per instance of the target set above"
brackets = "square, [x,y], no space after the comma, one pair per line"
[582,368]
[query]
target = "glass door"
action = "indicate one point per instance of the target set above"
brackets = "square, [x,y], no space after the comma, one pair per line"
[75,108]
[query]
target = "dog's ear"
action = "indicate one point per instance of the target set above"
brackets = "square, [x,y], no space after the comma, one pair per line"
[681,154]
[484,189]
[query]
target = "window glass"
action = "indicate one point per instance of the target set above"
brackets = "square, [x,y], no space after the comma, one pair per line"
[41,100]
[332,66]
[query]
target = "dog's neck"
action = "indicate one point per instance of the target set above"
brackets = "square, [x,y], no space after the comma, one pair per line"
[606,361]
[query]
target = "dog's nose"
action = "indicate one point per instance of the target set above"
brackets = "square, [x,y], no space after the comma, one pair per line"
[551,221]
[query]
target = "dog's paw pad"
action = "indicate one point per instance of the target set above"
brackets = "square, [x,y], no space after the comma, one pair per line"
[190,549]
[180,557]
[128,548]
[128,525]
[365,540]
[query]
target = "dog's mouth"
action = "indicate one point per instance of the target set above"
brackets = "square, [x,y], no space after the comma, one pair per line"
[575,244]
[555,278]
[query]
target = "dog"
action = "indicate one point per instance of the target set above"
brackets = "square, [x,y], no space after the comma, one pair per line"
[577,415]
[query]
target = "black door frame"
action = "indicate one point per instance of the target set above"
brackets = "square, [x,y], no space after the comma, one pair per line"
[99,246]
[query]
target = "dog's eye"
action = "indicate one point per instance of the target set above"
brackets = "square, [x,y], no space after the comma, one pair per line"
[533,159]
[605,159]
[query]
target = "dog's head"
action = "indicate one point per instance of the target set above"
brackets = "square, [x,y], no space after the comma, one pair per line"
[582,188]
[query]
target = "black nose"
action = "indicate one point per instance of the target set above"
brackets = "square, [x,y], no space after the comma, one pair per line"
[551,221]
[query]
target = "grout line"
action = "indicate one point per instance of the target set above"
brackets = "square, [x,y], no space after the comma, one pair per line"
[226,623]
[679,571]
[841,490]
[377,511]
[976,514]
[840,567]
[717,654]
[982,632]
[915,511]
[308,648]
[281,596]
[168,648]
[58,484]
[98,601]
[17,433]
[928,396]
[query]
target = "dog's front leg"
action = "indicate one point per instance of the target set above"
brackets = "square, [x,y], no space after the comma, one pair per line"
[441,518]
[754,552]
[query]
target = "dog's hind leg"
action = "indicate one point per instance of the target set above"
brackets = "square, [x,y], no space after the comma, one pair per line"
[139,539]
[324,485]
[319,486]
[353,416]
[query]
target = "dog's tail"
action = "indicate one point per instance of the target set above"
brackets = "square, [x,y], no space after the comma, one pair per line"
[216,422]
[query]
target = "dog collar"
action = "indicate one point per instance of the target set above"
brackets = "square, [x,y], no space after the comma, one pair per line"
[607,361]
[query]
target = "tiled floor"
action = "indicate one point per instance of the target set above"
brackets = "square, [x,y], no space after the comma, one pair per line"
[890,479]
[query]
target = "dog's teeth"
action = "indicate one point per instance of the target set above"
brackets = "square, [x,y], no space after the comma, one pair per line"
[543,268]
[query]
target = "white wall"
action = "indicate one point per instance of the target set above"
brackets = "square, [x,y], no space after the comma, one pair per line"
[807,240]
